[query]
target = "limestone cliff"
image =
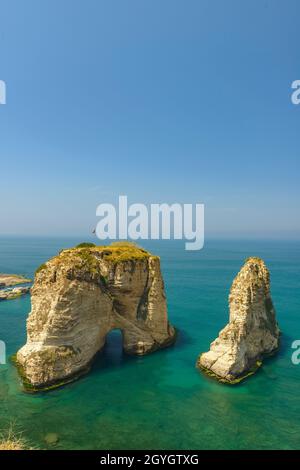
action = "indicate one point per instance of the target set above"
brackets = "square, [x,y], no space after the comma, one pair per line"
[81,295]
[252,331]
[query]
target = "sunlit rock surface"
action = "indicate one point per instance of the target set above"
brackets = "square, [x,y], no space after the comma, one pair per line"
[252,331]
[78,297]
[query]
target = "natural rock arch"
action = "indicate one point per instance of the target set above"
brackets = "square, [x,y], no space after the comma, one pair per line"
[80,296]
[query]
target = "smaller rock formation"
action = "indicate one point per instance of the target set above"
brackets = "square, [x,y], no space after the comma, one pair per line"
[81,295]
[252,331]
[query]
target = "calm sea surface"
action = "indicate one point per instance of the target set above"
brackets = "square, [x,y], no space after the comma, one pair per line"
[162,401]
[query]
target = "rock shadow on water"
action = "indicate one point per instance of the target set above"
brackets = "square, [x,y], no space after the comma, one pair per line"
[113,355]
[184,339]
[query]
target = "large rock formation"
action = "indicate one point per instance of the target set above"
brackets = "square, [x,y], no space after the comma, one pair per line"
[252,331]
[81,295]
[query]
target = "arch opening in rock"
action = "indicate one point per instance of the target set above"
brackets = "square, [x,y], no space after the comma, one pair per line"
[113,350]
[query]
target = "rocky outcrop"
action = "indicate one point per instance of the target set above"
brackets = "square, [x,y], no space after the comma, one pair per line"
[7,280]
[81,295]
[252,331]
[10,294]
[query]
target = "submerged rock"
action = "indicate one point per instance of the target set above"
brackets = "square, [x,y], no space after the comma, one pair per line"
[252,331]
[81,295]
[51,438]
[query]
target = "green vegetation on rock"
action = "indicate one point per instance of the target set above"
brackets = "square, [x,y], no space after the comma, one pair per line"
[115,252]
[123,251]
[86,245]
[40,268]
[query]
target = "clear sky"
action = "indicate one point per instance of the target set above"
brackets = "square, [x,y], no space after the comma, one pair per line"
[160,100]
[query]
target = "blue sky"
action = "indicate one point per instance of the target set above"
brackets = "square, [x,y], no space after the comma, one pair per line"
[164,101]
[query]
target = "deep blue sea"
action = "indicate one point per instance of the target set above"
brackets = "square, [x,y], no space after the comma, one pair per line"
[162,401]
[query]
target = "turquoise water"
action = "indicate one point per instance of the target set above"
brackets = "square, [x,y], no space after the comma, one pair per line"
[161,401]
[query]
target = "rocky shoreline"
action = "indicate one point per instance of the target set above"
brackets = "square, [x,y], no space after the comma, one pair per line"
[10,294]
[10,280]
[8,291]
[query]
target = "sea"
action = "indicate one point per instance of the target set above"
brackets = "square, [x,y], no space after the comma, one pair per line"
[161,401]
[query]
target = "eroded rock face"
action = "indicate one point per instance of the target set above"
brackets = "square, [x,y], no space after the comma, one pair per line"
[81,295]
[252,331]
